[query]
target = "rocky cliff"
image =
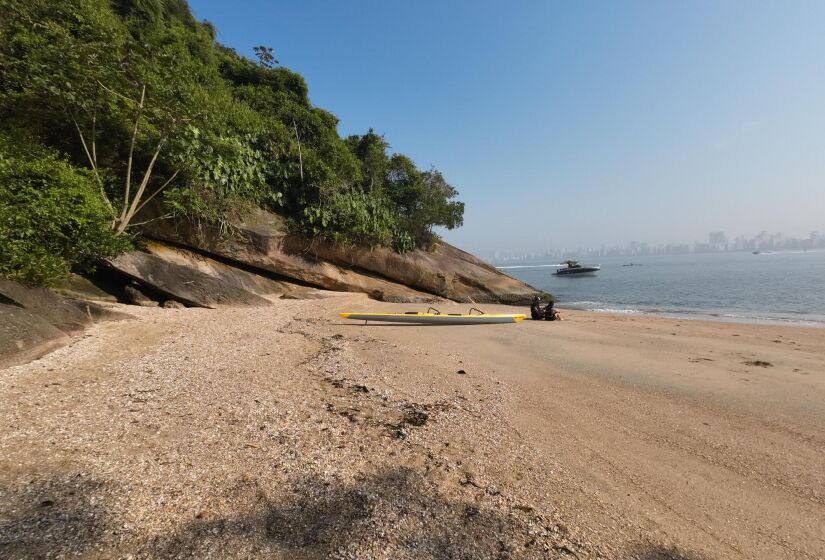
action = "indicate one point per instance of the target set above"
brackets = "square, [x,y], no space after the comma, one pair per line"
[260,241]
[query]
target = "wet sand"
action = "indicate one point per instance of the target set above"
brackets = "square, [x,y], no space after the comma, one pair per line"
[291,433]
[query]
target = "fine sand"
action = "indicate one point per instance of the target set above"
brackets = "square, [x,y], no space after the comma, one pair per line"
[286,432]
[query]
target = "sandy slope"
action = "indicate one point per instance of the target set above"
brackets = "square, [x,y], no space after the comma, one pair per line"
[287,432]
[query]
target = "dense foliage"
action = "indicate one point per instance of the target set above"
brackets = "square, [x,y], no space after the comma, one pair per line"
[140,101]
[51,216]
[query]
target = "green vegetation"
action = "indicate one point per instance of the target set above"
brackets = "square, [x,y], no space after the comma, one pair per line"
[128,102]
[51,216]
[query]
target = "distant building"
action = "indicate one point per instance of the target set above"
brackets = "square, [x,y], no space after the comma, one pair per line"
[717,241]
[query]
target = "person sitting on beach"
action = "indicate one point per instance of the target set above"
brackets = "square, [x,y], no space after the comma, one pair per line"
[537,309]
[551,313]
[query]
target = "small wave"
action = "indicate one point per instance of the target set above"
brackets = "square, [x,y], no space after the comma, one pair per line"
[584,302]
[613,310]
[529,266]
[771,319]
[598,306]
[744,317]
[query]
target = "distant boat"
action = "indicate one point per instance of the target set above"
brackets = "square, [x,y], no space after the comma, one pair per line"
[633,264]
[573,268]
[763,252]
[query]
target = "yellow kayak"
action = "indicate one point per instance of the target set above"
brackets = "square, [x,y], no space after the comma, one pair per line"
[427,318]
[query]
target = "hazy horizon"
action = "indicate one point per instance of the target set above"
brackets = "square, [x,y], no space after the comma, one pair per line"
[730,235]
[575,124]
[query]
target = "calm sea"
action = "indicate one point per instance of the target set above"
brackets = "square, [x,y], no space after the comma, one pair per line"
[783,287]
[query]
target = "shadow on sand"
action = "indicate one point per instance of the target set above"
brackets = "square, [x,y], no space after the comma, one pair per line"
[400,514]
[660,553]
[52,517]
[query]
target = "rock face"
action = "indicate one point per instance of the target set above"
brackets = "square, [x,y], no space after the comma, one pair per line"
[249,281]
[68,315]
[76,286]
[24,336]
[182,283]
[445,270]
[262,242]
[34,321]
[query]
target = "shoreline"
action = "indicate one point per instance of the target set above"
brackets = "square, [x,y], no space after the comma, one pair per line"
[704,315]
[736,287]
[287,432]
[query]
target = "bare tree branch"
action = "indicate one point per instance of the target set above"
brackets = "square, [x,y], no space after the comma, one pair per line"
[86,149]
[113,92]
[154,194]
[128,185]
[128,213]
[94,134]
[164,217]
[300,159]
[93,164]
[132,202]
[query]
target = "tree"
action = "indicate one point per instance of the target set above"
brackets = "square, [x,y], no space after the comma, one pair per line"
[439,208]
[403,185]
[371,151]
[140,99]
[133,201]
[71,64]
[422,199]
[266,56]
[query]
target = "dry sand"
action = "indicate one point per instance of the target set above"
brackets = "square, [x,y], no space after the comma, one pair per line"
[285,432]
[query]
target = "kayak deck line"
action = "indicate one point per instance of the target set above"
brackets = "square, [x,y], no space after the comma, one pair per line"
[427,318]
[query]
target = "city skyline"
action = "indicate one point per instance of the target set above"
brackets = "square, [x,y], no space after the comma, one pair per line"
[716,242]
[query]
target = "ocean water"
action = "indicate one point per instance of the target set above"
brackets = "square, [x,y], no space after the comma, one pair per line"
[782,287]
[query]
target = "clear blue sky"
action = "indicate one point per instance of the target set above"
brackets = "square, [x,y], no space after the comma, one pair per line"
[574,123]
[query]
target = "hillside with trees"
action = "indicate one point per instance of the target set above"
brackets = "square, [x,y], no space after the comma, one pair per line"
[109,105]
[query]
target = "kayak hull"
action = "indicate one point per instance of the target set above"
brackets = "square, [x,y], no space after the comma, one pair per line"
[435,319]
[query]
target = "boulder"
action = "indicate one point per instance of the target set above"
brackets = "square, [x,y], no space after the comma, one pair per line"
[247,280]
[261,241]
[255,280]
[312,293]
[444,270]
[76,286]
[67,315]
[35,321]
[187,285]
[24,336]
[136,296]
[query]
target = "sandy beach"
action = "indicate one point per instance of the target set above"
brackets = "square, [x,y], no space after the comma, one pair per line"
[286,432]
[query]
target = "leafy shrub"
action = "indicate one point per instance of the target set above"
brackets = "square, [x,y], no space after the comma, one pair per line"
[403,241]
[52,218]
[350,216]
